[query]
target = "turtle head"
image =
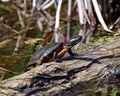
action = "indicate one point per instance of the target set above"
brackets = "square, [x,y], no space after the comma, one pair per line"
[73,41]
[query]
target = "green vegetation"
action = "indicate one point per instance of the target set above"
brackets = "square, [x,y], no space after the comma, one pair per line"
[113,92]
[101,39]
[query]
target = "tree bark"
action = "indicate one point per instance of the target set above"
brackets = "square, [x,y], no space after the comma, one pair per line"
[73,76]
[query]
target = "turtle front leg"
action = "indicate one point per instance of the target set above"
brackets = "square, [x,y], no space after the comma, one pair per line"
[55,58]
[72,53]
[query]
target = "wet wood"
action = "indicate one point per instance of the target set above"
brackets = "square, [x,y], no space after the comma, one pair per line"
[73,76]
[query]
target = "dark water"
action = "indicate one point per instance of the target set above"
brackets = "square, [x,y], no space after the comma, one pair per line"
[12,62]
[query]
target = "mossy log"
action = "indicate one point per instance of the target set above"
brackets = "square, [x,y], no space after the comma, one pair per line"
[73,76]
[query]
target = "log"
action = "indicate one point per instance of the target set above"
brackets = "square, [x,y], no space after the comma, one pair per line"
[72,77]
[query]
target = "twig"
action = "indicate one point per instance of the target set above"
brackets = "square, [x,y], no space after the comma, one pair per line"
[39,23]
[91,14]
[20,18]
[69,18]
[56,3]
[10,28]
[48,16]
[18,42]
[80,11]
[6,70]
[31,15]
[47,5]
[113,25]
[25,8]
[99,15]
[57,21]
[86,18]
[3,43]
[22,26]
[86,4]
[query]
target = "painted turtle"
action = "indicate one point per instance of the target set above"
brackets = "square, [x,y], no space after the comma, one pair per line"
[53,51]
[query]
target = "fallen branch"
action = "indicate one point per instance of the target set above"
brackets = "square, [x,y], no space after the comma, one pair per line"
[74,73]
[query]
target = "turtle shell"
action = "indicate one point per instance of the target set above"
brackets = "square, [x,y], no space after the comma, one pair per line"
[45,54]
